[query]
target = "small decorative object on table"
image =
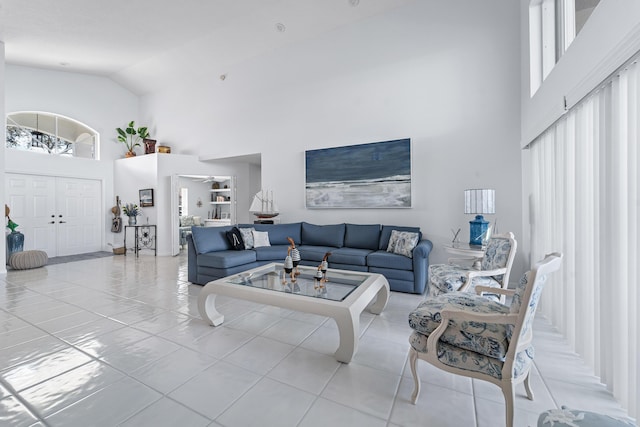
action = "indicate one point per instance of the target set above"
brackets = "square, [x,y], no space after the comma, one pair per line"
[455,236]
[324,266]
[132,211]
[295,256]
[319,281]
[164,149]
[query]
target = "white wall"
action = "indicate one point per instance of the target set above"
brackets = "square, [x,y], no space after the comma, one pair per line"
[96,101]
[155,171]
[445,74]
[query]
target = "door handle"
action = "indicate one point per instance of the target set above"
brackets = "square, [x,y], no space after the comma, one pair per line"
[63,222]
[52,222]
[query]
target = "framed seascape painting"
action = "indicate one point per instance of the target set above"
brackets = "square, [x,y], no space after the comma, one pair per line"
[375,175]
[146,197]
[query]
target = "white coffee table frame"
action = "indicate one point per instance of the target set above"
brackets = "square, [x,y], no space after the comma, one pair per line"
[346,313]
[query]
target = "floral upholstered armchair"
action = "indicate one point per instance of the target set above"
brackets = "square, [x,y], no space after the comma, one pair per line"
[495,267]
[467,334]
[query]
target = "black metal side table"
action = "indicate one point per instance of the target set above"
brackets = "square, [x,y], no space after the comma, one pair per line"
[144,238]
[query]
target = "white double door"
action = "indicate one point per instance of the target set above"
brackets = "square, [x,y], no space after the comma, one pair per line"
[58,215]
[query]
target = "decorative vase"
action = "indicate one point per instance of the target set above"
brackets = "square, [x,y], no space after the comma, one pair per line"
[15,243]
[133,220]
[130,154]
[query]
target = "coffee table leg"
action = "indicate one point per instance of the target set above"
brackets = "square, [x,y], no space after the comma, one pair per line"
[207,309]
[348,328]
[382,297]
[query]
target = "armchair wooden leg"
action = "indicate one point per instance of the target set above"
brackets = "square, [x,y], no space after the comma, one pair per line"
[413,358]
[508,392]
[527,386]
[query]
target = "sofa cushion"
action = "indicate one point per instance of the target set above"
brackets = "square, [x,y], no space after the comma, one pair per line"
[275,253]
[278,233]
[323,235]
[210,239]
[489,339]
[385,234]
[350,256]
[226,258]
[384,259]
[314,253]
[362,236]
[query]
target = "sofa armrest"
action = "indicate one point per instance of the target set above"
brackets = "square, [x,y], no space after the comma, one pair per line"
[422,249]
[421,265]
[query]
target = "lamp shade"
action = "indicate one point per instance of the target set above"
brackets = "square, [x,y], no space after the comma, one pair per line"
[480,201]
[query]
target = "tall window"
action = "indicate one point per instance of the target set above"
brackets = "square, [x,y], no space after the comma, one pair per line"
[553,25]
[51,134]
[585,202]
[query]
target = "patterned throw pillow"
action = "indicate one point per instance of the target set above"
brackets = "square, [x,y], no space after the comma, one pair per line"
[402,243]
[247,236]
[186,221]
[260,238]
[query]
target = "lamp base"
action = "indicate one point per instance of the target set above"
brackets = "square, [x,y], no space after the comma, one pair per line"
[477,230]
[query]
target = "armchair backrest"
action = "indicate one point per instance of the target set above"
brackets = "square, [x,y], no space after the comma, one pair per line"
[527,294]
[500,253]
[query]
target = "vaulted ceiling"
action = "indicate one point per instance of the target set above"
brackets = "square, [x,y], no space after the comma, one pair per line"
[143,44]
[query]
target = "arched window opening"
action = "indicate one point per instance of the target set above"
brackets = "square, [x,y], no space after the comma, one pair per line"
[51,133]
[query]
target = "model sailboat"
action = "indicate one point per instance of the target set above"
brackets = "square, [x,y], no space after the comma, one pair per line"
[263,205]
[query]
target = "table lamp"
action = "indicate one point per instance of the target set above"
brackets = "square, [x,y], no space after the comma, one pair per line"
[479,202]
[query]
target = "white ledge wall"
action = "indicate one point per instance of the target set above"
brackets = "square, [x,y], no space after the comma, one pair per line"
[445,74]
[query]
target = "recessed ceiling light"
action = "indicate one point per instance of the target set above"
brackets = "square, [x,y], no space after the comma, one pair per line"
[354,3]
[223,76]
[280,27]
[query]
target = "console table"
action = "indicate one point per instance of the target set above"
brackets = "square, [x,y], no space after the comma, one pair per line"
[144,237]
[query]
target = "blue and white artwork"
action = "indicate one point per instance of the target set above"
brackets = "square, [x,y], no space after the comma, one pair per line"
[375,175]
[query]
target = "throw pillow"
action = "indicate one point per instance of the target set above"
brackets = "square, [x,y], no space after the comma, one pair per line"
[247,237]
[235,239]
[186,221]
[402,243]
[260,238]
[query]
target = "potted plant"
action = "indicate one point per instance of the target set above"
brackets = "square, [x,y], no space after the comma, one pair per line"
[132,211]
[131,137]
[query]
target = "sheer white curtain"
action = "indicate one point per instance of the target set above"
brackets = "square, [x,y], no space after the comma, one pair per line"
[585,202]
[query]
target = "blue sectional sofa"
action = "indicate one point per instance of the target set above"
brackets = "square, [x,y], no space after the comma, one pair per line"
[353,247]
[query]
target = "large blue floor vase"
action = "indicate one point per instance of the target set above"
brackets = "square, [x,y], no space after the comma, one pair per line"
[15,243]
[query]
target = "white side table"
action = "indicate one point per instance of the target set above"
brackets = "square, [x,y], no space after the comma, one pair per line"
[466,250]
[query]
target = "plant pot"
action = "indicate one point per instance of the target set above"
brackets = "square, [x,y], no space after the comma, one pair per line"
[129,154]
[133,220]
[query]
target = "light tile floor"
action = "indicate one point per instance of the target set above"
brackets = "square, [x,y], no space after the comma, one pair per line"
[119,341]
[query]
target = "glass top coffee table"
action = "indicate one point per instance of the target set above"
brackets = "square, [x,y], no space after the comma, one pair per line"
[345,295]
